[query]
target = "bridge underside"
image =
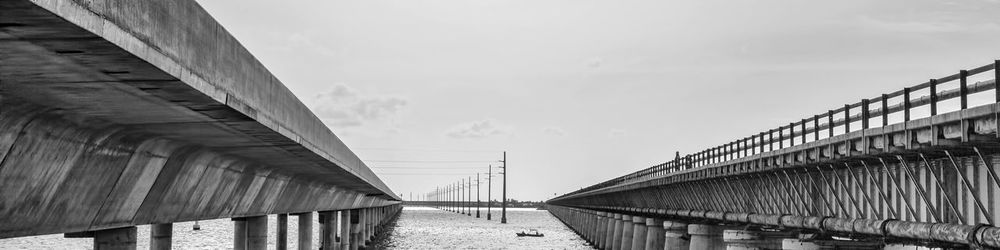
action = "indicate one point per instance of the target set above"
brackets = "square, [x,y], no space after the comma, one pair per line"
[929,181]
[120,113]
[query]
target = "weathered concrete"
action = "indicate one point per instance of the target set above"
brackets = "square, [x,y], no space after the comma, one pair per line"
[627,228]
[129,112]
[305,231]
[281,231]
[345,229]
[654,233]
[706,237]
[676,236]
[616,242]
[239,234]
[638,233]
[115,239]
[328,230]
[161,236]
[256,230]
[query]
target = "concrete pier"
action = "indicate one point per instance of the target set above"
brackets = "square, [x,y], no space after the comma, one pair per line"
[239,234]
[355,241]
[616,243]
[305,230]
[754,239]
[638,233]
[602,228]
[654,233]
[609,231]
[345,229]
[281,231]
[706,237]
[161,236]
[675,236]
[627,228]
[256,228]
[327,230]
[115,239]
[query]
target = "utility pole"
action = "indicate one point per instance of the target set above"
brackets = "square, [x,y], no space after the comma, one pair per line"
[477,195]
[489,189]
[461,193]
[503,210]
[469,204]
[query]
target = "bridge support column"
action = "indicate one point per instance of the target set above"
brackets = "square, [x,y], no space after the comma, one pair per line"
[706,237]
[754,239]
[616,242]
[327,230]
[256,228]
[638,233]
[627,228]
[305,230]
[115,239]
[593,219]
[601,225]
[609,231]
[675,236]
[355,229]
[161,236]
[239,233]
[281,239]
[654,233]
[345,229]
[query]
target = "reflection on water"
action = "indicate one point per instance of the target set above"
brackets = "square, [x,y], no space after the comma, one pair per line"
[417,228]
[427,228]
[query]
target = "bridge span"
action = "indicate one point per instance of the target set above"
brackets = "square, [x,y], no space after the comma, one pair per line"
[916,166]
[117,113]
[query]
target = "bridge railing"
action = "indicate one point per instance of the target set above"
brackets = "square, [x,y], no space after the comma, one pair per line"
[835,122]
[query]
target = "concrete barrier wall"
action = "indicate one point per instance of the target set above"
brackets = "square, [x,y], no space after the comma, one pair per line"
[65,173]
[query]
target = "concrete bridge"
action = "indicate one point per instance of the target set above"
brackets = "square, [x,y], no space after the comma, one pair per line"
[117,113]
[870,175]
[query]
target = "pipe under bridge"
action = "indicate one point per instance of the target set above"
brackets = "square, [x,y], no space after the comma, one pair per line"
[916,166]
[117,113]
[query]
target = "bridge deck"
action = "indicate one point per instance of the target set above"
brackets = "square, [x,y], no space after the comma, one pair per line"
[123,112]
[935,176]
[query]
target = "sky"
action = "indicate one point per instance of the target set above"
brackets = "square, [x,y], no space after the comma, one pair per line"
[581,91]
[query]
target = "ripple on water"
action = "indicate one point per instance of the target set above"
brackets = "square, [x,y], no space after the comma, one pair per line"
[417,228]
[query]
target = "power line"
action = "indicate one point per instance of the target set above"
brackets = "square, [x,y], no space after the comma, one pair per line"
[425,150]
[420,161]
[427,167]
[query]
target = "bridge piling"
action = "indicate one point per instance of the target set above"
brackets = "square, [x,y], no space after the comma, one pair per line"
[256,228]
[161,236]
[706,237]
[115,239]
[638,233]
[239,234]
[627,228]
[327,230]
[609,231]
[281,231]
[355,241]
[754,239]
[616,242]
[676,236]
[654,233]
[602,228]
[305,230]
[345,229]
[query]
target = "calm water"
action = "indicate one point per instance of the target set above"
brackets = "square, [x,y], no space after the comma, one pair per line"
[417,228]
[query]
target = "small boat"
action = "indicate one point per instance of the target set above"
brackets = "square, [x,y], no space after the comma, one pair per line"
[530,233]
[196,227]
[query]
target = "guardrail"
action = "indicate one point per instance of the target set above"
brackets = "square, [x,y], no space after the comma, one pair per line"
[828,124]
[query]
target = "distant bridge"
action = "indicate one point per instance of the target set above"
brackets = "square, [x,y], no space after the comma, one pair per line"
[116,113]
[874,172]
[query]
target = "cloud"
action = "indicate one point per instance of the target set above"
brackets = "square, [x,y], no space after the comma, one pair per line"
[477,130]
[554,131]
[616,133]
[343,107]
